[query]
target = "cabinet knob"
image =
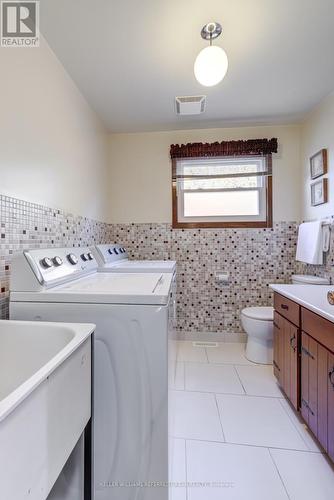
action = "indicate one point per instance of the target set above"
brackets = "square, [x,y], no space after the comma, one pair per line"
[285,306]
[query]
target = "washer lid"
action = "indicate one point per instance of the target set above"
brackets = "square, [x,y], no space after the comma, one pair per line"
[106,288]
[309,279]
[261,313]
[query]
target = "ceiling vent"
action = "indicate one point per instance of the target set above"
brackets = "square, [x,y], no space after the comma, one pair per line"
[190,105]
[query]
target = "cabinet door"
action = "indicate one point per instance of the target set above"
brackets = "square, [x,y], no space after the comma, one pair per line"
[323,388]
[304,377]
[294,357]
[290,362]
[317,391]
[313,385]
[330,392]
[278,348]
[309,382]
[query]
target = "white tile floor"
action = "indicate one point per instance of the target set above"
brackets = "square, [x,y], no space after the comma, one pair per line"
[234,436]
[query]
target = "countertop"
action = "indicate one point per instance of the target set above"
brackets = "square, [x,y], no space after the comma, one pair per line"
[313,297]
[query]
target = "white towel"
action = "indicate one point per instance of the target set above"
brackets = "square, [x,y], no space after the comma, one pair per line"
[309,245]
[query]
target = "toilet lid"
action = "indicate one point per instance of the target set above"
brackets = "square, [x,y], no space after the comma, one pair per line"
[310,280]
[261,313]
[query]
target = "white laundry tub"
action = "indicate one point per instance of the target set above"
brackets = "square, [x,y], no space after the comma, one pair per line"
[45,402]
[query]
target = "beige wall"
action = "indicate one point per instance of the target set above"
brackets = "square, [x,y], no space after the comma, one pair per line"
[140,188]
[53,146]
[318,133]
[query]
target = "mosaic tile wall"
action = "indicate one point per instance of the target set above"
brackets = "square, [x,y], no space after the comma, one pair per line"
[27,225]
[253,257]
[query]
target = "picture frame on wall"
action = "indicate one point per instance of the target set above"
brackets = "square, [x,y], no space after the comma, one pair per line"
[318,164]
[319,192]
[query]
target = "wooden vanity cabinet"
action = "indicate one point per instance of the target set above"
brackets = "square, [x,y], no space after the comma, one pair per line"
[304,366]
[286,347]
[278,348]
[330,407]
[311,356]
[291,362]
[317,391]
[317,378]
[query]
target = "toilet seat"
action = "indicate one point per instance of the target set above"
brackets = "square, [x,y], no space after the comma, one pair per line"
[264,313]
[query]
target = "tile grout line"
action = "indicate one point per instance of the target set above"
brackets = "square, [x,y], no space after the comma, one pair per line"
[248,445]
[298,430]
[212,363]
[242,385]
[279,474]
[220,420]
[186,465]
[226,393]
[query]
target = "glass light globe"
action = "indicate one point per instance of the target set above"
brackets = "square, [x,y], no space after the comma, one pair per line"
[211,65]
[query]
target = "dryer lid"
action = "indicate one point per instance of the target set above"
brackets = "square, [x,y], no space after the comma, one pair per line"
[140,266]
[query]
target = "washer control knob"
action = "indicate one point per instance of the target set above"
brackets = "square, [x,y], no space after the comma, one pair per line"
[73,259]
[124,251]
[57,260]
[90,256]
[84,257]
[46,262]
[110,251]
[116,251]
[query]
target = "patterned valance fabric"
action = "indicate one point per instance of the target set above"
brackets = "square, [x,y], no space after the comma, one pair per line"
[224,148]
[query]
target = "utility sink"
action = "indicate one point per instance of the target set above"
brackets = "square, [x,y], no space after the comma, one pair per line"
[45,402]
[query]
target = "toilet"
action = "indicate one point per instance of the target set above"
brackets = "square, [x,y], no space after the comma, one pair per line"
[258,324]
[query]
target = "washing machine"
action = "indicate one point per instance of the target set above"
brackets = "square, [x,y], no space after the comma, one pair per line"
[131,312]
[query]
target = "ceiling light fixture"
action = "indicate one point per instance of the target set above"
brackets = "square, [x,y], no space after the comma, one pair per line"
[211,63]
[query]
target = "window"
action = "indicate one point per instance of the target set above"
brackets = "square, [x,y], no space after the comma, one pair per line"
[229,191]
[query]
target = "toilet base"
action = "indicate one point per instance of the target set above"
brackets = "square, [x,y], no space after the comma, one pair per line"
[259,350]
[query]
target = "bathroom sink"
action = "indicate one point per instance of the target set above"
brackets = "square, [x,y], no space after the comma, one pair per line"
[45,402]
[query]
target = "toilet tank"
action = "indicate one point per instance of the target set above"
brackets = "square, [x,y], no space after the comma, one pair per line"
[307,279]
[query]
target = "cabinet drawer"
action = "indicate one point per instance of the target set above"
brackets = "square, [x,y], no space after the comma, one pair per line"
[319,328]
[287,308]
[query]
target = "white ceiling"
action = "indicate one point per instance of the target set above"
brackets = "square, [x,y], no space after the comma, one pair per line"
[130,58]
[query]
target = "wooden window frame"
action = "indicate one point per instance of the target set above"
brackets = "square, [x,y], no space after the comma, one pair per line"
[268,223]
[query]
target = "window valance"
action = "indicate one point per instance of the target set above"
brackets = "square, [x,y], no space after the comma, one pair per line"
[225,148]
